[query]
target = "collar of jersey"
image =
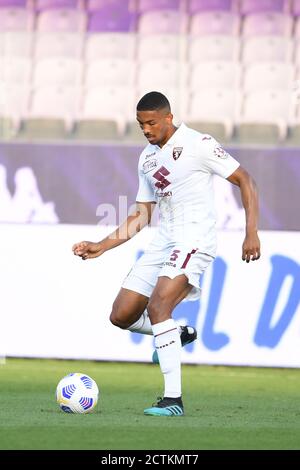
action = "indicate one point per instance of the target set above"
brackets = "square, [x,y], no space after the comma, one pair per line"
[175,137]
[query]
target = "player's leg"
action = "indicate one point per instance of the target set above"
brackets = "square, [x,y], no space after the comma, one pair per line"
[136,288]
[166,295]
[128,310]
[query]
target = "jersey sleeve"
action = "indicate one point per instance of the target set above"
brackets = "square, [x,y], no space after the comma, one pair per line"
[215,159]
[145,192]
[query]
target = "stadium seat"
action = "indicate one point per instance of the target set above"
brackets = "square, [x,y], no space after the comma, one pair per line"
[14,101]
[296,8]
[196,6]
[16,44]
[221,74]
[265,116]
[215,22]
[41,5]
[258,6]
[58,71]
[264,24]
[214,111]
[270,75]
[61,20]
[91,128]
[150,5]
[160,46]
[214,48]
[110,45]
[157,73]
[110,72]
[165,21]
[111,5]
[16,19]
[105,113]
[267,49]
[52,112]
[15,70]
[112,20]
[58,45]
[14,3]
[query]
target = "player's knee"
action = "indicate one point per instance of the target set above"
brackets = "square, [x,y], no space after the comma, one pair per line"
[117,319]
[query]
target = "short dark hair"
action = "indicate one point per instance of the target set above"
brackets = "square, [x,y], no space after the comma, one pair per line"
[153,101]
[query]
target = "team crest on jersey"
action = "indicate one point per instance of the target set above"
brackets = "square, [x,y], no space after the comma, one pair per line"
[220,152]
[177,151]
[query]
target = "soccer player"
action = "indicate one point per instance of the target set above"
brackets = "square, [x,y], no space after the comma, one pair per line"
[175,171]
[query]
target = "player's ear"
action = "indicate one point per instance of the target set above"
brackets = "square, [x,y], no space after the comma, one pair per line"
[170,118]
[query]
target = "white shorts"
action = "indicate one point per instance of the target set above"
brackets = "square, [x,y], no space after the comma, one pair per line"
[172,262]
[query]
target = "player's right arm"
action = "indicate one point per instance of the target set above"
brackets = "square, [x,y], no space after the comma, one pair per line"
[130,227]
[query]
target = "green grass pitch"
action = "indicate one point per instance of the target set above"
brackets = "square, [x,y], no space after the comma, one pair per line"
[226,408]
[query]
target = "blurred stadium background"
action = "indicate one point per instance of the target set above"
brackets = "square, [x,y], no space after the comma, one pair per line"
[71,72]
[74,69]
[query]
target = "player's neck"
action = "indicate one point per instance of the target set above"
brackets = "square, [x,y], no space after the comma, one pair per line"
[168,136]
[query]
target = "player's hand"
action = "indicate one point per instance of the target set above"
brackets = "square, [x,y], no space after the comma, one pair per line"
[88,250]
[251,247]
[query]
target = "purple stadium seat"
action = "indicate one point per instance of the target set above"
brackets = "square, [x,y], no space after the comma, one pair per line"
[198,6]
[61,20]
[16,19]
[110,20]
[13,3]
[296,8]
[260,24]
[97,5]
[150,5]
[259,6]
[41,5]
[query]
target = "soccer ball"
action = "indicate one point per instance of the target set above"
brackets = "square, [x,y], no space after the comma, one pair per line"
[77,393]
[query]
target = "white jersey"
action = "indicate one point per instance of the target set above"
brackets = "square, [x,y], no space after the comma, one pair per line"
[178,177]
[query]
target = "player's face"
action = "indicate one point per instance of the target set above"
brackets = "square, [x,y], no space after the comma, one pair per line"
[156,125]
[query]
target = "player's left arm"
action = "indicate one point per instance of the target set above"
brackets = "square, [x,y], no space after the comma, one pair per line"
[249,196]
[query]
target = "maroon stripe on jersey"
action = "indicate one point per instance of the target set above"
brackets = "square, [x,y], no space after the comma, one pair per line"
[187,259]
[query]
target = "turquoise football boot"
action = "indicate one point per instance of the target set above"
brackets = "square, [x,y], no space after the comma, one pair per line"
[166,407]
